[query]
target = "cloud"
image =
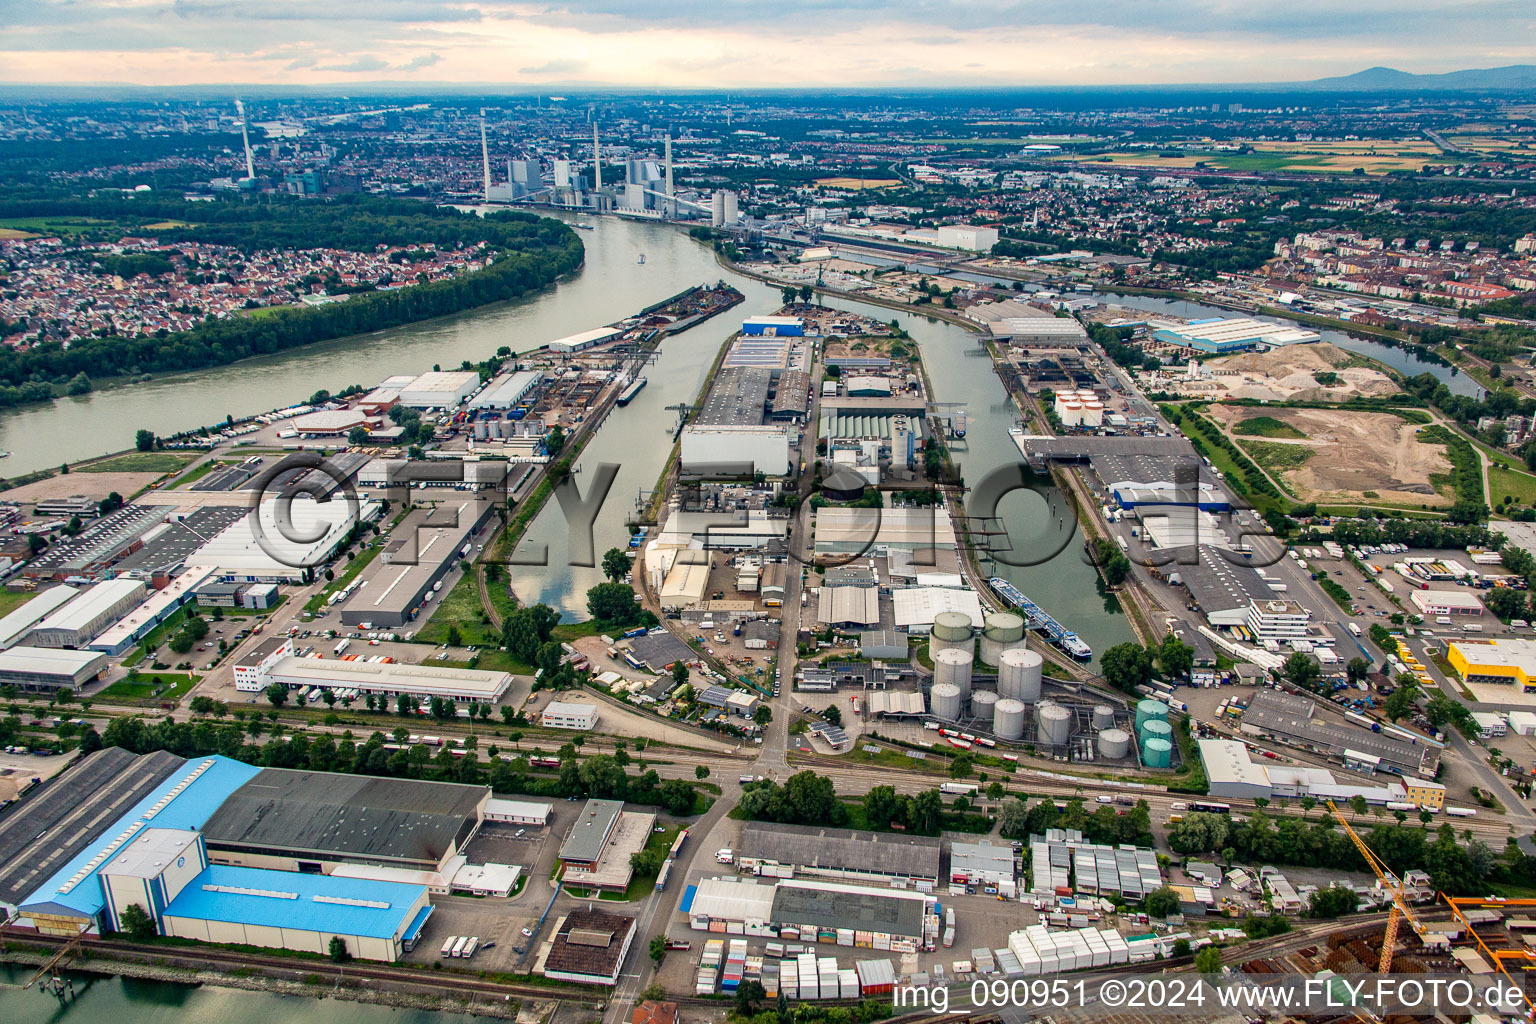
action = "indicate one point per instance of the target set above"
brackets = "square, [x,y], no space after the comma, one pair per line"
[426,60]
[556,67]
[302,63]
[358,65]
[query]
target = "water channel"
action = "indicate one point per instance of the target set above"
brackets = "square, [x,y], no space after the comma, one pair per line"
[130,1001]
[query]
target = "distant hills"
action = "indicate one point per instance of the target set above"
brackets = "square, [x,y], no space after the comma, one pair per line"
[1521,77]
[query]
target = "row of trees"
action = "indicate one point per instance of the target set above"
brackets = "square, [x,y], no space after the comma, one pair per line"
[1458,864]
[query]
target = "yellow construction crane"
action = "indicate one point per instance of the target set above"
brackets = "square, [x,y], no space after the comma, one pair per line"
[1394,886]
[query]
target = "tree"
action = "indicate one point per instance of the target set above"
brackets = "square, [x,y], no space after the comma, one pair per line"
[748,995]
[1162,902]
[1175,657]
[961,766]
[1333,901]
[144,440]
[1126,666]
[1357,669]
[1301,671]
[338,950]
[701,772]
[1208,960]
[806,291]
[679,672]
[138,924]
[613,603]
[277,695]
[554,440]
[788,295]
[1400,702]
[762,715]
[658,949]
[357,436]
[1013,818]
[454,637]
[615,564]
[526,628]
[834,714]
[1180,947]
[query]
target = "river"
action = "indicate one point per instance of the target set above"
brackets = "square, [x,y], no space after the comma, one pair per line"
[129,1001]
[1398,358]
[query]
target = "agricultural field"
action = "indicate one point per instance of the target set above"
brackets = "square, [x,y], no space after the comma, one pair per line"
[1346,456]
[1375,156]
[857,183]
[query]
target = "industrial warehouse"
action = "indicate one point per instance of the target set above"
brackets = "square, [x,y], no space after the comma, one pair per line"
[274,661]
[420,551]
[220,851]
[816,911]
[766,849]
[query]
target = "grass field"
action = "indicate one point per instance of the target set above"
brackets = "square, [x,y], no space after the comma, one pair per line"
[1275,457]
[857,183]
[10,600]
[1506,483]
[141,462]
[170,686]
[1339,157]
[460,608]
[52,225]
[1266,426]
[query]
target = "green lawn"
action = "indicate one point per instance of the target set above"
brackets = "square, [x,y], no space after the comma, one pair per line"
[346,575]
[1508,483]
[141,462]
[1266,426]
[200,472]
[10,600]
[171,686]
[459,608]
[52,225]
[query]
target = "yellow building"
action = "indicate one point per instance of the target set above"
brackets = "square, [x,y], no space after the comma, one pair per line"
[1424,794]
[1510,662]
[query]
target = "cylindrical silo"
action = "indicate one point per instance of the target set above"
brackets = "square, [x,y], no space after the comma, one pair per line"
[1018,674]
[945,701]
[954,666]
[1155,730]
[1093,414]
[1054,724]
[1114,744]
[1157,754]
[1148,709]
[1103,717]
[1008,719]
[1070,412]
[950,630]
[982,703]
[482,431]
[1004,630]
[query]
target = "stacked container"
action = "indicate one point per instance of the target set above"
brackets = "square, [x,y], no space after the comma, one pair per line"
[826,977]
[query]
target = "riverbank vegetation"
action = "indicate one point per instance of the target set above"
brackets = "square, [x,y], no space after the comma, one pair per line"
[523,253]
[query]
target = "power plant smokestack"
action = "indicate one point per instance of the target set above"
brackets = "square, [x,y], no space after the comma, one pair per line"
[671,206]
[250,166]
[485,156]
[597,162]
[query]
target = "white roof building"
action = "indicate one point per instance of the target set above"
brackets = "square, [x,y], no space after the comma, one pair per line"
[506,391]
[1460,601]
[916,607]
[15,626]
[439,389]
[258,548]
[78,622]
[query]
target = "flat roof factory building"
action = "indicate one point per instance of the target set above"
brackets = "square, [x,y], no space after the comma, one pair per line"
[1220,335]
[837,853]
[1510,662]
[306,821]
[560,714]
[15,627]
[589,947]
[418,554]
[45,669]
[506,391]
[77,623]
[382,679]
[898,920]
[440,389]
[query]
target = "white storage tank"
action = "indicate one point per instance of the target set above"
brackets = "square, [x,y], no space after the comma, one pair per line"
[950,630]
[1004,630]
[1093,414]
[1018,674]
[1055,724]
[1114,744]
[1008,719]
[982,703]
[954,666]
[945,701]
[1070,412]
[1103,717]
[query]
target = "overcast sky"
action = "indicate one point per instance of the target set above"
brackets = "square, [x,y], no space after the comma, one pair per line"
[742,44]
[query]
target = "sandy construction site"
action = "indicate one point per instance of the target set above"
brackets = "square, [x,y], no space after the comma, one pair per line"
[1283,374]
[1364,457]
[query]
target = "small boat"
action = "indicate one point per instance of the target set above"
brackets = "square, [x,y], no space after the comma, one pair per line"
[584,227]
[641,259]
[5,455]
